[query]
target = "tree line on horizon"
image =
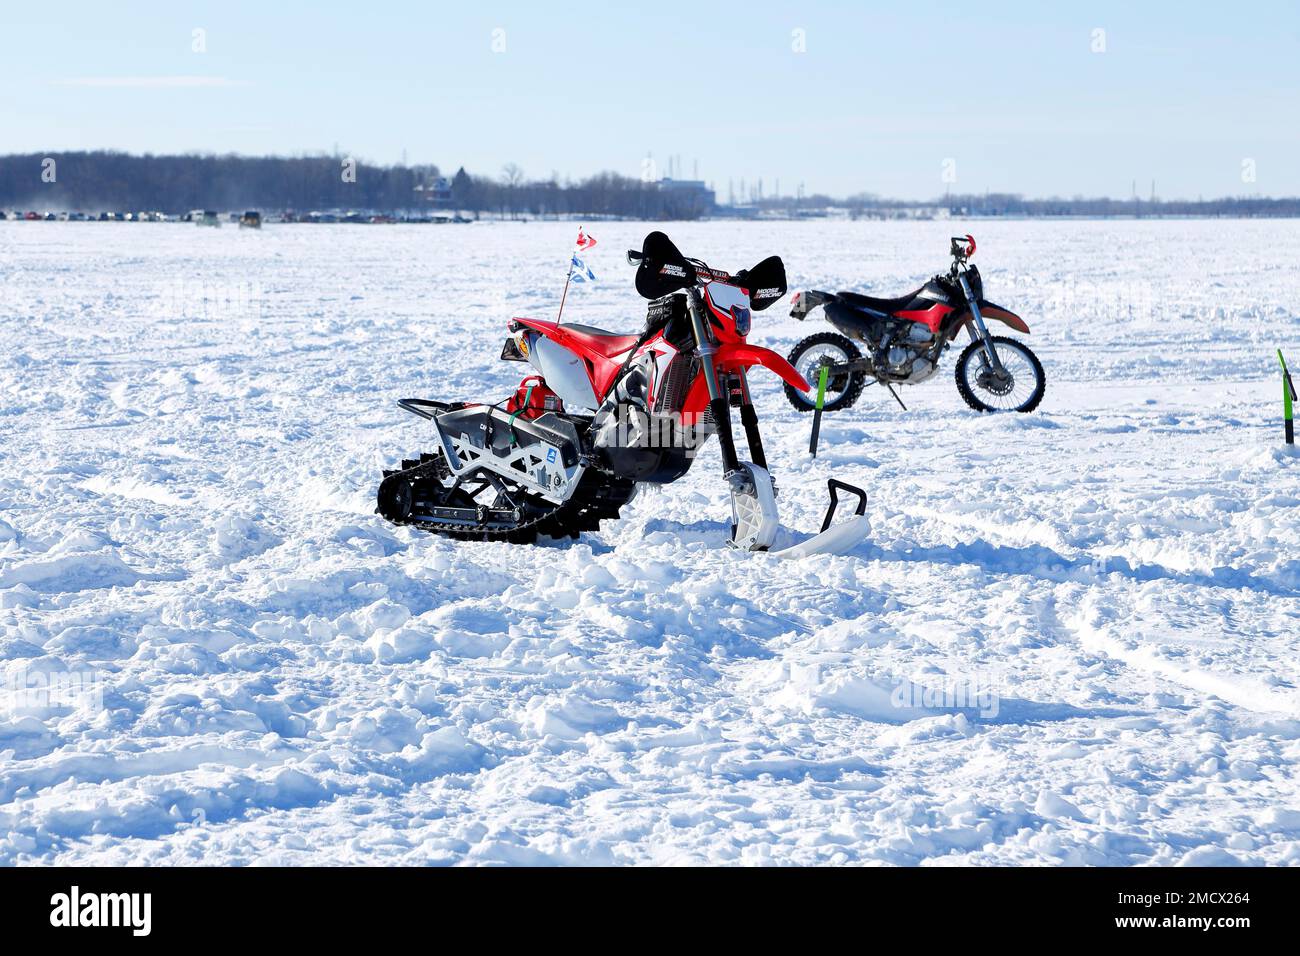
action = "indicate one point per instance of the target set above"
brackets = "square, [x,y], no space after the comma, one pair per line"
[111,181]
[96,181]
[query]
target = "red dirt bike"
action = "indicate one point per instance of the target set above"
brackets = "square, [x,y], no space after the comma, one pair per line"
[905,337]
[608,410]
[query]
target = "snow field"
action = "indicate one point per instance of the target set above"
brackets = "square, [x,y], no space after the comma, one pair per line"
[1070,638]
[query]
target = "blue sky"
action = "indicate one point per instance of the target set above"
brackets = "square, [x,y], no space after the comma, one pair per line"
[885,97]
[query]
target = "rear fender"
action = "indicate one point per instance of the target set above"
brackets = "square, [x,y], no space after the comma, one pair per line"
[804,302]
[737,356]
[600,370]
[539,325]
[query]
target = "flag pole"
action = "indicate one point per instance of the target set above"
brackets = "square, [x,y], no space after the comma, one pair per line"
[565,294]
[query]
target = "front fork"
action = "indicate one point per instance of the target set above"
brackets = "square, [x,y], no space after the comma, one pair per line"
[749,418]
[990,357]
[719,401]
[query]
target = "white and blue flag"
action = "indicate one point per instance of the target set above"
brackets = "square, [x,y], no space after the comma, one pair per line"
[580,272]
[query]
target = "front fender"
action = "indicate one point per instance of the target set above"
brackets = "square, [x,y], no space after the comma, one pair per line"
[735,356]
[991,311]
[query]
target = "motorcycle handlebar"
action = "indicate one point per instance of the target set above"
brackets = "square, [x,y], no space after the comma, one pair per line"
[701,268]
[963,247]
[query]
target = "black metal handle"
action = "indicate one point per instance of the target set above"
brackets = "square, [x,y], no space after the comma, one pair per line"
[835,487]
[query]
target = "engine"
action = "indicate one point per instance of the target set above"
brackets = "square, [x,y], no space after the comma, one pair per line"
[639,436]
[898,350]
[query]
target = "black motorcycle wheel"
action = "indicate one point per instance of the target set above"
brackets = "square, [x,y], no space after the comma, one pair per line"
[825,348]
[1019,391]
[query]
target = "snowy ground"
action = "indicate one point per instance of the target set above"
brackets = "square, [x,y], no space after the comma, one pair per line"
[1071,638]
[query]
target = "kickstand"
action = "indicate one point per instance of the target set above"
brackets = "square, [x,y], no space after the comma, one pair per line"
[895,394]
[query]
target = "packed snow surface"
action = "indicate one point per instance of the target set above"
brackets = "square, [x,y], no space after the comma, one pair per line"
[1072,636]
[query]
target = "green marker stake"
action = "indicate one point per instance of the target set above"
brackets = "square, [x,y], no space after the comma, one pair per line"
[1288,396]
[817,415]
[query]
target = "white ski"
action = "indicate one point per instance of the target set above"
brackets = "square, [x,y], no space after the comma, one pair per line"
[755,522]
[837,539]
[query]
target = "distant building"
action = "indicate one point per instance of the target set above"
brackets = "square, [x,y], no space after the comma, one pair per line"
[436,193]
[737,212]
[688,196]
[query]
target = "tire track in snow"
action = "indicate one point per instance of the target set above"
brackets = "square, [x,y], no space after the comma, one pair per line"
[1095,629]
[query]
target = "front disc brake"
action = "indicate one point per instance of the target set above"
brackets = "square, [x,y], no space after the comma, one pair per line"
[996,383]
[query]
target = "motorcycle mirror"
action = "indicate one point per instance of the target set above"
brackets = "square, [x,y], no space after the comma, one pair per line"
[633,257]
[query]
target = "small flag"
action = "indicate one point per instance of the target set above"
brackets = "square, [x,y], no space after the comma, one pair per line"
[580,272]
[585,241]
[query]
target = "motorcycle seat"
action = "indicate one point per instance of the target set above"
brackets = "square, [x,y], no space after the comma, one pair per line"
[600,341]
[887,306]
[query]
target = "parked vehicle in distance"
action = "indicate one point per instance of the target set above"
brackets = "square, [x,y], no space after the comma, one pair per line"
[252,219]
[209,217]
[905,337]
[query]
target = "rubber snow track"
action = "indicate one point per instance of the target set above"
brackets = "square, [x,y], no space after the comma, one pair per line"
[1072,636]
